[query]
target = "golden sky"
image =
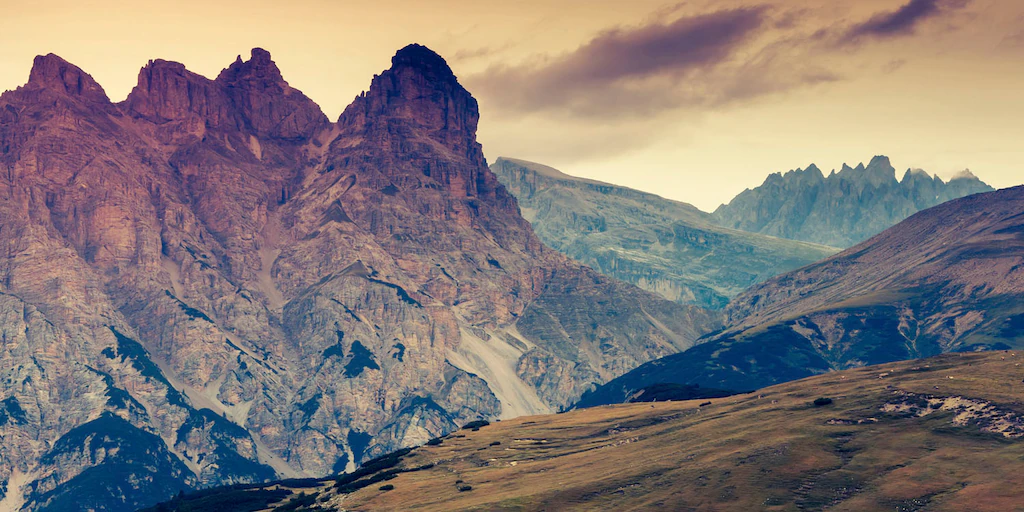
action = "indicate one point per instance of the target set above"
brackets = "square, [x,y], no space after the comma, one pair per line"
[692,100]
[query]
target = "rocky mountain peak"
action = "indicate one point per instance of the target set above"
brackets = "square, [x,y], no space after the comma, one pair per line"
[914,175]
[168,91]
[423,59]
[812,174]
[847,207]
[259,69]
[880,161]
[965,174]
[248,96]
[53,73]
[880,171]
[420,90]
[266,104]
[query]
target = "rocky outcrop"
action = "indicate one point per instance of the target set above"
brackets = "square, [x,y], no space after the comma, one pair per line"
[241,289]
[844,208]
[663,246]
[947,279]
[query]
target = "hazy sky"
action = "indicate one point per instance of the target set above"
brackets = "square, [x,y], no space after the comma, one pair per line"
[694,100]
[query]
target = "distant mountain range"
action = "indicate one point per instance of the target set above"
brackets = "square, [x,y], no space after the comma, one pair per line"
[843,208]
[947,279]
[664,246]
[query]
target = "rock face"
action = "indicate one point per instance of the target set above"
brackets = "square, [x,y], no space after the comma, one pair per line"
[212,277]
[947,279]
[663,246]
[843,209]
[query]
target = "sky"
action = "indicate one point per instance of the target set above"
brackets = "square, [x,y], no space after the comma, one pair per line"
[693,100]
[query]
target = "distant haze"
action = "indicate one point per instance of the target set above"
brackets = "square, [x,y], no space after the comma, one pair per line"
[694,101]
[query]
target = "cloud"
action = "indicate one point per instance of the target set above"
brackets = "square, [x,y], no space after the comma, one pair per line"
[893,66]
[901,22]
[478,53]
[628,71]
[628,88]
[1014,40]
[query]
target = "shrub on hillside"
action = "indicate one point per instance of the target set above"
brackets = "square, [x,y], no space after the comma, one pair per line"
[475,425]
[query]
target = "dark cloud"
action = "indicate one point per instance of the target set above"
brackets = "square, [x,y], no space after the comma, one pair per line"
[902,21]
[627,71]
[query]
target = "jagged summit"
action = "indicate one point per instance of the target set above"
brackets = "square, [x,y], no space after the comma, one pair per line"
[249,96]
[877,172]
[54,73]
[421,92]
[880,171]
[847,207]
[880,160]
[422,58]
[167,90]
[965,174]
[919,177]
[260,66]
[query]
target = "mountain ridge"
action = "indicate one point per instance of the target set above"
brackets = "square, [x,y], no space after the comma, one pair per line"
[665,246]
[843,208]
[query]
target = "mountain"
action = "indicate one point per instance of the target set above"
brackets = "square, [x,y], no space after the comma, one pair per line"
[843,209]
[660,245]
[947,279]
[940,434]
[212,283]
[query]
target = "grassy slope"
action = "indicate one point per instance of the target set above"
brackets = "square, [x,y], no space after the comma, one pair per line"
[772,450]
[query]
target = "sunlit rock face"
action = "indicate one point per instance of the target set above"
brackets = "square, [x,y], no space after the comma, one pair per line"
[214,278]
